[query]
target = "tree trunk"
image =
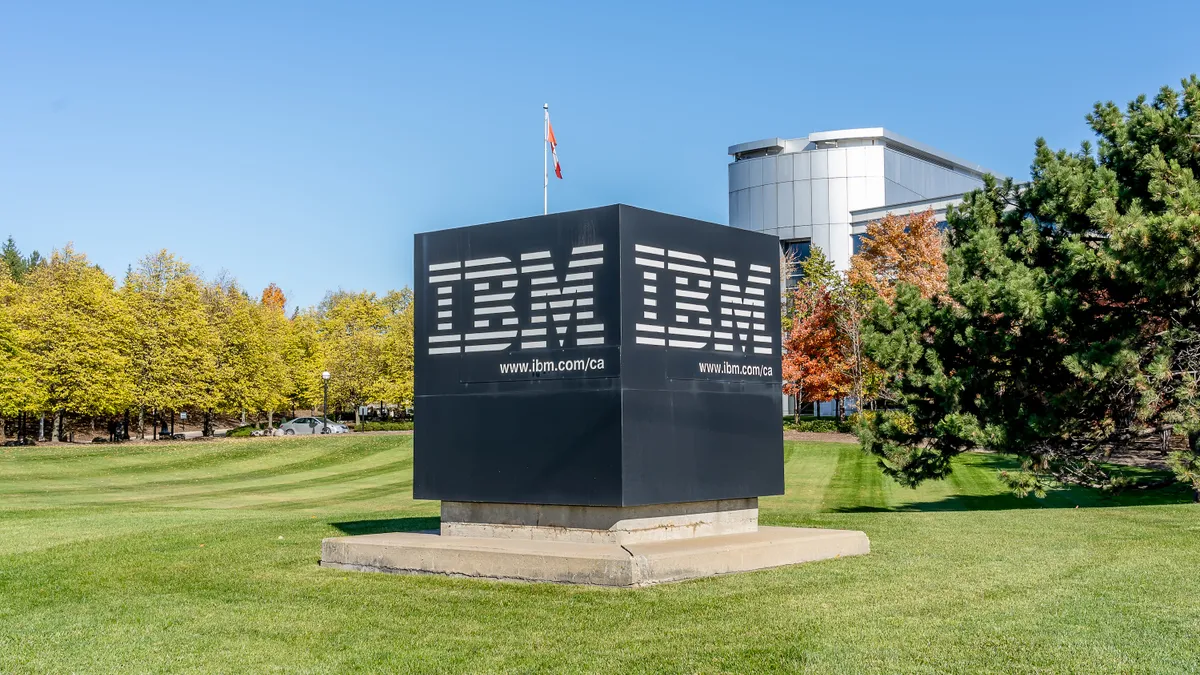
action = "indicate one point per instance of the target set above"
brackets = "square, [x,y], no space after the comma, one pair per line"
[208,430]
[42,428]
[243,417]
[270,420]
[56,430]
[357,422]
[125,427]
[142,422]
[172,423]
[796,408]
[3,438]
[841,409]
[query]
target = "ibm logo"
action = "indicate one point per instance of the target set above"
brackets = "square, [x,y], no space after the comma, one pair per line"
[695,321]
[688,302]
[559,300]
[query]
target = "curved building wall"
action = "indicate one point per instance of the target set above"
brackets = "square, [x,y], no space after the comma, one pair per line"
[808,194]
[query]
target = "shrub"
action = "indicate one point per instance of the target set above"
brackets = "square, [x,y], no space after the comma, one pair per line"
[385,426]
[824,426]
[241,432]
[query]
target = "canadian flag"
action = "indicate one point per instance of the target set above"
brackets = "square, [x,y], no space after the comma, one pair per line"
[553,146]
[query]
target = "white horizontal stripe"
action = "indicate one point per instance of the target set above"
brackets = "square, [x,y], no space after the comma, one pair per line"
[444,338]
[762,338]
[537,306]
[762,350]
[586,262]
[690,307]
[650,328]
[560,330]
[691,294]
[492,335]
[538,319]
[653,316]
[482,323]
[722,335]
[741,312]
[727,324]
[445,350]
[726,310]
[649,263]
[487,348]
[724,275]
[536,255]
[446,314]
[723,262]
[686,256]
[705,283]
[442,302]
[756,291]
[583,315]
[483,274]
[678,267]
[724,348]
[509,321]
[532,269]
[494,297]
[648,289]
[651,302]
[744,325]
[731,300]
[498,309]
[642,248]
[533,345]
[681,318]
[445,326]
[650,276]
[562,317]
[542,292]
[755,303]
[593,248]
[650,341]
[578,276]
[589,328]
[589,340]
[478,262]
[758,280]
[676,330]
[583,302]
[759,326]
[682,281]
[559,304]
[758,315]
[577,289]
[510,283]
[760,268]
[731,288]
[438,267]
[483,286]
[442,278]
[704,320]
[544,280]
[687,344]
[530,332]
[445,290]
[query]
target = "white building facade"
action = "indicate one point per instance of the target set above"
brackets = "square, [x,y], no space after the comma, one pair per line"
[813,191]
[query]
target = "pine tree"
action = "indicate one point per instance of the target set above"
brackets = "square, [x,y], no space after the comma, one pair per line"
[1070,327]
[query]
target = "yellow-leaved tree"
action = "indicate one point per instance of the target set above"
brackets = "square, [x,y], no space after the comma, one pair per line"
[398,348]
[17,391]
[76,332]
[172,345]
[353,327]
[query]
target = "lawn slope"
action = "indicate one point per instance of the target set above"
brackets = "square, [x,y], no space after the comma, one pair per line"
[202,557]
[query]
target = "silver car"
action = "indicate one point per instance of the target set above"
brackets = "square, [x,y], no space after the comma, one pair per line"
[311,425]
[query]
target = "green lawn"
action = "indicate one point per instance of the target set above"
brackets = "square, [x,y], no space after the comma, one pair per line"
[202,557]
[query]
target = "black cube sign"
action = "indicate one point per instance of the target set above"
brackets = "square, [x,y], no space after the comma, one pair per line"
[606,357]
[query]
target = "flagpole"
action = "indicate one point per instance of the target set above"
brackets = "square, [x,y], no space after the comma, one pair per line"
[545,161]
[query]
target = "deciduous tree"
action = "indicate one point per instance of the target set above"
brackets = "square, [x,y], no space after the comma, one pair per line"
[901,249]
[814,365]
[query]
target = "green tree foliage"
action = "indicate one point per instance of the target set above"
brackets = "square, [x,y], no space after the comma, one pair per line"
[304,356]
[1071,323]
[172,346]
[398,350]
[16,379]
[353,329]
[76,332]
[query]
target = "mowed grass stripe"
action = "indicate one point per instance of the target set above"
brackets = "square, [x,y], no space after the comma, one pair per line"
[380,463]
[266,466]
[198,457]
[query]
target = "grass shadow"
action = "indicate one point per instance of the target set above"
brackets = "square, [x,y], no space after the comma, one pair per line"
[413,524]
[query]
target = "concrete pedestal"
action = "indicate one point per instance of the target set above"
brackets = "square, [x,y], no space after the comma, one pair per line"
[604,546]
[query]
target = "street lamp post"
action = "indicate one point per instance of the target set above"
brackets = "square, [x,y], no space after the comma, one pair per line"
[325,404]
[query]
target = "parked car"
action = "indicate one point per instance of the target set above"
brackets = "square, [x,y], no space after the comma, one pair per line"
[311,425]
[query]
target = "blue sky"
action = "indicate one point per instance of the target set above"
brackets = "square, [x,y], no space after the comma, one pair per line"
[303,143]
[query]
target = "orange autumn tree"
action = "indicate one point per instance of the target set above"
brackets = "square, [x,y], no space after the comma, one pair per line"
[272,296]
[814,361]
[901,248]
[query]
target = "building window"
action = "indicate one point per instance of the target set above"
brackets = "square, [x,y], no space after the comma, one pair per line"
[798,251]
[856,242]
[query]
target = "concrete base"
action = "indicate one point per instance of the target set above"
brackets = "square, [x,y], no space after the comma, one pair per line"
[600,524]
[601,564]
